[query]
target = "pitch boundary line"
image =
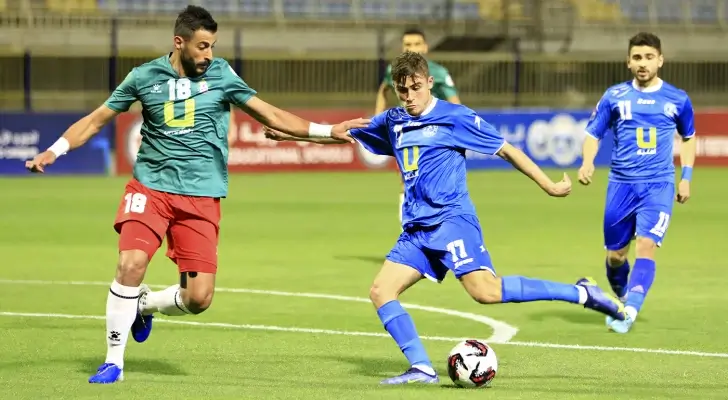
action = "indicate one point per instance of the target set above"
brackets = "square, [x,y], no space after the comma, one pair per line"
[502,332]
[469,316]
[371,334]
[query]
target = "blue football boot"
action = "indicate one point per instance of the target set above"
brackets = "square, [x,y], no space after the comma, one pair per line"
[107,373]
[413,375]
[142,326]
[598,300]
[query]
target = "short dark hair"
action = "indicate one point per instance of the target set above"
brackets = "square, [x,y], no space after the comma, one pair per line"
[414,31]
[408,64]
[645,39]
[191,20]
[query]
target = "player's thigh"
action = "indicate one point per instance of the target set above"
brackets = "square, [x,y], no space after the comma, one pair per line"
[193,234]
[457,245]
[142,219]
[655,211]
[408,252]
[391,281]
[620,218]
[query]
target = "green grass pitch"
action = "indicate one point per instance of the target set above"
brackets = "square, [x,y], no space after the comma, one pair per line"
[327,234]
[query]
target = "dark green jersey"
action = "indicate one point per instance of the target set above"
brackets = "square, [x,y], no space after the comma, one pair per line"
[444,87]
[184,147]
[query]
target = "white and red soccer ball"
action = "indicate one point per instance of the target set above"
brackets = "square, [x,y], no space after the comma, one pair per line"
[472,364]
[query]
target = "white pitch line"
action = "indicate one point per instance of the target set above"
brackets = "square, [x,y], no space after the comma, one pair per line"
[502,332]
[372,334]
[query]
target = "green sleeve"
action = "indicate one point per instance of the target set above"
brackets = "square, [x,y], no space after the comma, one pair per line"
[125,94]
[237,92]
[444,82]
[388,76]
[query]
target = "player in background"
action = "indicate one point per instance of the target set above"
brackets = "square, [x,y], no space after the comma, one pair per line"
[444,88]
[643,114]
[428,137]
[180,176]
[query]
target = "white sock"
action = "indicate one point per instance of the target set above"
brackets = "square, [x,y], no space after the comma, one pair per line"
[121,310]
[168,302]
[632,312]
[401,204]
[582,294]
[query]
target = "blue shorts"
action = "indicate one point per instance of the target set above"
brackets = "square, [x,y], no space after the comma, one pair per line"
[456,244]
[643,209]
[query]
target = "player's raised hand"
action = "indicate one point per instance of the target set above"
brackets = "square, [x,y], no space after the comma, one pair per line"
[585,174]
[683,191]
[39,162]
[341,130]
[561,188]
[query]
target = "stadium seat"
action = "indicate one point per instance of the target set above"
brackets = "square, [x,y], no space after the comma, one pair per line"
[493,10]
[598,10]
[71,6]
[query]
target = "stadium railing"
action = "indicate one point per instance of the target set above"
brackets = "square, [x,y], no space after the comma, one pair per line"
[351,80]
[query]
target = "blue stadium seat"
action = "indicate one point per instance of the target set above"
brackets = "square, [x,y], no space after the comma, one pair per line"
[336,8]
[466,10]
[376,9]
[636,10]
[704,11]
[256,8]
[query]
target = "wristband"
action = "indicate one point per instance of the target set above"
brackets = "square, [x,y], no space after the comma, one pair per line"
[319,131]
[60,147]
[687,174]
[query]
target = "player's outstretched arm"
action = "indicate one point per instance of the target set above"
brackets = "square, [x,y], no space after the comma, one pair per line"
[279,136]
[524,164]
[75,136]
[298,127]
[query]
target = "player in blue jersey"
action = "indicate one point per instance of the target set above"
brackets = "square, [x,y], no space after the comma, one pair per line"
[643,114]
[441,232]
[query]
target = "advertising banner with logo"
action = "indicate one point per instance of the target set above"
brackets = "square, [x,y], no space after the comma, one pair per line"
[712,137]
[250,151]
[23,136]
[552,138]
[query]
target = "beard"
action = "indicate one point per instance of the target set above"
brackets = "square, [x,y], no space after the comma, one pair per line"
[191,68]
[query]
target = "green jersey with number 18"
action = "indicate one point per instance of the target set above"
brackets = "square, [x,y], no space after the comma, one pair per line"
[184,147]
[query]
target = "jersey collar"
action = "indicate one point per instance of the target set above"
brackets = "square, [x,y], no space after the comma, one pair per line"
[430,107]
[650,89]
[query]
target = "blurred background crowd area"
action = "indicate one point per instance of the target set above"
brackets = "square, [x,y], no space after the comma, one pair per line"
[66,55]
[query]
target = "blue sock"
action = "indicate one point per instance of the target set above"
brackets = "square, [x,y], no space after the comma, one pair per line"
[400,326]
[517,289]
[618,278]
[640,281]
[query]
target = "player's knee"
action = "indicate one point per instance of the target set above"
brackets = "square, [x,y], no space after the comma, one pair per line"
[131,267]
[199,300]
[380,294]
[645,247]
[616,258]
[483,287]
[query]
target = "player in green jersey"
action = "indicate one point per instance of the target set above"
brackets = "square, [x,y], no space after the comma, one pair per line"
[444,88]
[180,176]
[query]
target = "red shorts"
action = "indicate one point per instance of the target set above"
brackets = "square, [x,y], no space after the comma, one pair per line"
[191,224]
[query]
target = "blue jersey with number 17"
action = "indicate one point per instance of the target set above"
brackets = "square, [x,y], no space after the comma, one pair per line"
[643,122]
[430,152]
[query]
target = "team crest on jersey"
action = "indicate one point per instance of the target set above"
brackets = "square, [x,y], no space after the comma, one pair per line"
[202,87]
[157,88]
[429,131]
[670,110]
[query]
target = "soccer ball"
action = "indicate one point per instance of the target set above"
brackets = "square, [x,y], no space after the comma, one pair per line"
[472,364]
